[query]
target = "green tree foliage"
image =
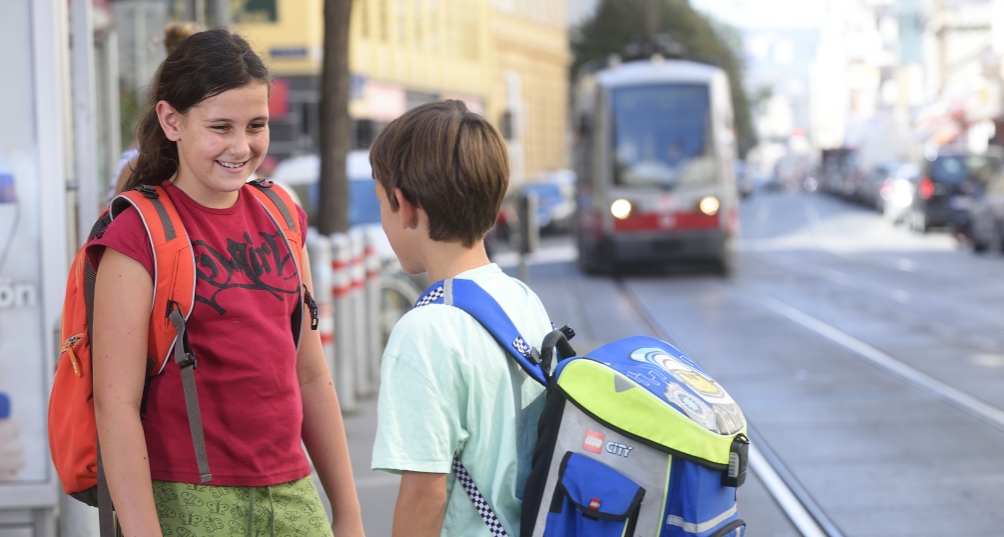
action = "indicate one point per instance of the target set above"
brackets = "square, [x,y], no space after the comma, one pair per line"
[618,22]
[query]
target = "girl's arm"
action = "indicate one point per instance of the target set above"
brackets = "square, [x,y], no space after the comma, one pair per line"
[323,430]
[120,323]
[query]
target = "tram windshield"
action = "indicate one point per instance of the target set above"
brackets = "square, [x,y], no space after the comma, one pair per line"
[661,136]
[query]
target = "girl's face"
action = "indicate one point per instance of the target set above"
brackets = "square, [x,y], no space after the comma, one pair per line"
[221,141]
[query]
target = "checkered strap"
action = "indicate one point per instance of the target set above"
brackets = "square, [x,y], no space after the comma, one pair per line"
[430,297]
[480,503]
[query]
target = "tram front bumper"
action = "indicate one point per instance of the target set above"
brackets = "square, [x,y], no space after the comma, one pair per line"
[699,245]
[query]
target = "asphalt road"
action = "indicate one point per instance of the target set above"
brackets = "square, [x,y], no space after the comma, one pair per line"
[852,346]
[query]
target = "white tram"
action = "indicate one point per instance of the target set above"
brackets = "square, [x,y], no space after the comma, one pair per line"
[654,152]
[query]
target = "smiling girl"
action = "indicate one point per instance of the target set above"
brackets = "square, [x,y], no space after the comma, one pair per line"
[260,395]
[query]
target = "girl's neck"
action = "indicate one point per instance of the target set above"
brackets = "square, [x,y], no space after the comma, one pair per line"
[202,194]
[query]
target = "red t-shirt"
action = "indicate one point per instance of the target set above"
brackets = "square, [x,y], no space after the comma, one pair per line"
[240,330]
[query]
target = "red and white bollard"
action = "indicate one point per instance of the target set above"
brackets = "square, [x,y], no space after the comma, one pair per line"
[341,291]
[319,248]
[360,341]
[372,293]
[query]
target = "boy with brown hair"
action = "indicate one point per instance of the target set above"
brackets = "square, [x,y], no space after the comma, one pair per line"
[447,387]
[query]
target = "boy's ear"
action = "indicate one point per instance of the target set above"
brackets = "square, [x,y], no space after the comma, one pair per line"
[170,120]
[409,213]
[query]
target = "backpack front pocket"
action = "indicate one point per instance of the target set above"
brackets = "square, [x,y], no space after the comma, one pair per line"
[592,499]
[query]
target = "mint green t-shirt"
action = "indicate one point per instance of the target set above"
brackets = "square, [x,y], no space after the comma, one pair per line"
[448,387]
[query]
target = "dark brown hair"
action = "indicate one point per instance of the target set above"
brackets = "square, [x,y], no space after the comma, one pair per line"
[203,65]
[448,161]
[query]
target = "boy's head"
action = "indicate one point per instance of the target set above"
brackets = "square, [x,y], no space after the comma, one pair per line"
[447,161]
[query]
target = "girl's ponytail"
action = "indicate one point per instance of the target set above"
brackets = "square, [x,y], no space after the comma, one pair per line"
[203,65]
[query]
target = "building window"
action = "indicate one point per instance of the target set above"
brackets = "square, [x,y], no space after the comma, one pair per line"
[384,31]
[469,42]
[364,18]
[419,17]
[402,22]
[433,25]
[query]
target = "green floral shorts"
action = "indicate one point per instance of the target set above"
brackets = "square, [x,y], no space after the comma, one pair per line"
[289,509]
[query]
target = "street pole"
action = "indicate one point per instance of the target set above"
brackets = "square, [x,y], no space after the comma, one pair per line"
[529,232]
[335,122]
[84,115]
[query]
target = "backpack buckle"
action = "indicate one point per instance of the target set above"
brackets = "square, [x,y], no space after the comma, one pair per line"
[148,192]
[312,305]
[735,475]
[189,361]
[263,183]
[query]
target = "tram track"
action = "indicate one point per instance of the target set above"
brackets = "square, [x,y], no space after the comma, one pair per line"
[798,505]
[796,502]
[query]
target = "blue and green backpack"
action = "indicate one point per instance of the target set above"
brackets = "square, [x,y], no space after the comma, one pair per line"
[635,439]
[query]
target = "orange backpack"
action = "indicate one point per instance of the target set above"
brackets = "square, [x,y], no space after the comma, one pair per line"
[73,440]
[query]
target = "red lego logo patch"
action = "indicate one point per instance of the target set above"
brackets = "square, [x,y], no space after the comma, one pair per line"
[594,504]
[593,442]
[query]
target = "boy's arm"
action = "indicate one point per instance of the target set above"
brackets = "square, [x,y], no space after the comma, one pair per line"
[421,505]
[323,431]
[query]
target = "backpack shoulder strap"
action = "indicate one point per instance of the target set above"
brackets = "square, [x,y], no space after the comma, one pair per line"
[174,266]
[282,209]
[173,300]
[471,298]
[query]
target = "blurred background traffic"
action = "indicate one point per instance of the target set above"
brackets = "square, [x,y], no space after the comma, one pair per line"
[791,191]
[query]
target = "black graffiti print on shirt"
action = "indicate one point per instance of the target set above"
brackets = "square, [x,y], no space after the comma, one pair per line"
[267,267]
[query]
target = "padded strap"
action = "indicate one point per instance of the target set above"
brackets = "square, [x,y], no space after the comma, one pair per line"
[186,360]
[281,209]
[173,265]
[471,298]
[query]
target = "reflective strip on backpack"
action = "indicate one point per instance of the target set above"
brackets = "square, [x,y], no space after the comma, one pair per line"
[701,527]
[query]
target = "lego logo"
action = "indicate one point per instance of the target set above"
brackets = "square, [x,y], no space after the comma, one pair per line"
[616,448]
[593,442]
[594,504]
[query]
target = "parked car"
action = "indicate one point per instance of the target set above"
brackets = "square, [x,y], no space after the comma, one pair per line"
[555,207]
[744,179]
[946,186]
[983,219]
[839,174]
[888,187]
[555,201]
[898,190]
[300,173]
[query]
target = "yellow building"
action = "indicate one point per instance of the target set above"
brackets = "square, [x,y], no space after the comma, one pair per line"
[507,59]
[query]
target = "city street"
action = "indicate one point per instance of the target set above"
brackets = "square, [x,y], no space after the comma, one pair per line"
[868,361]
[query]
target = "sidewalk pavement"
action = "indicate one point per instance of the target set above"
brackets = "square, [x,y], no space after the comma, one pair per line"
[377,490]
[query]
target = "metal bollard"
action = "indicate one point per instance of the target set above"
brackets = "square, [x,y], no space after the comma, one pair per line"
[372,292]
[360,341]
[529,231]
[341,257]
[319,248]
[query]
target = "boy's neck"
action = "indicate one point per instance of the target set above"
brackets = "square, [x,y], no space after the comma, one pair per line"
[448,259]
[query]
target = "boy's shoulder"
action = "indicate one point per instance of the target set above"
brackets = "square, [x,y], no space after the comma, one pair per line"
[446,327]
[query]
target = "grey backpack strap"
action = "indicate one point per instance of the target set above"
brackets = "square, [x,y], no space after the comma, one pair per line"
[106,521]
[480,503]
[186,361]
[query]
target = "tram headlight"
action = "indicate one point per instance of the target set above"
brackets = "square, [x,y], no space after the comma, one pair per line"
[709,205]
[620,208]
